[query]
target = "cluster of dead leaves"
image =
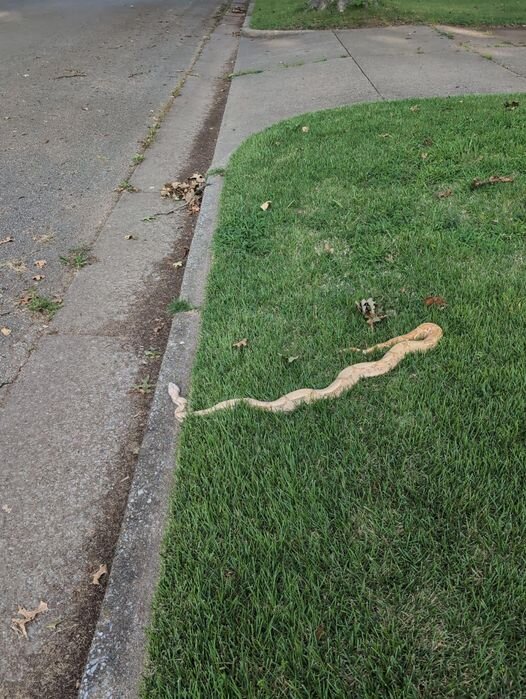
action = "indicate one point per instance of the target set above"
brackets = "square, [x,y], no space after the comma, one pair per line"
[189,191]
[511,105]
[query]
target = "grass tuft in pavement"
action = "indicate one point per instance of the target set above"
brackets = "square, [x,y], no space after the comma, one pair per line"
[371,545]
[294,14]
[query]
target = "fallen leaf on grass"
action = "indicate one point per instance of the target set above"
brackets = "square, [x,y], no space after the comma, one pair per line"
[320,632]
[424,156]
[40,263]
[511,104]
[5,331]
[385,135]
[435,301]
[189,191]
[290,360]
[266,205]
[415,108]
[9,239]
[305,129]
[25,616]
[445,193]
[494,179]
[241,343]
[97,575]
[370,311]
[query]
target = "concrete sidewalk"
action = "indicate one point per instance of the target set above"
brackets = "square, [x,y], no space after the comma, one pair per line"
[313,70]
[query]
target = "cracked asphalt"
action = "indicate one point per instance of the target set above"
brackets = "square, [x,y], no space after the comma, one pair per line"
[80,83]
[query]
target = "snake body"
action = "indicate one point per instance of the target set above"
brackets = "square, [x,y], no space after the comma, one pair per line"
[423,338]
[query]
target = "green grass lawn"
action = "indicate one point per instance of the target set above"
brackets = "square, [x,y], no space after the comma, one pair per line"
[373,545]
[294,14]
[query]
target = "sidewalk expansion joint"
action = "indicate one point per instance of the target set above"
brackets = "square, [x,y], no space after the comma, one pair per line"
[362,71]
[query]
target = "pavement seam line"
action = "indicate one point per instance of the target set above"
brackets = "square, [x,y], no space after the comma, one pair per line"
[362,71]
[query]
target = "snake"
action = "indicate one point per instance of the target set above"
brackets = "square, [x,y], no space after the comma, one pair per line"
[423,338]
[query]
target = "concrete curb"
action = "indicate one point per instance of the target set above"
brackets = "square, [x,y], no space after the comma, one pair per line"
[267,33]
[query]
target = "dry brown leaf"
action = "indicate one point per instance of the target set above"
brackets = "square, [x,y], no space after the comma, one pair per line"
[494,179]
[435,301]
[26,298]
[178,264]
[38,277]
[5,331]
[130,237]
[241,343]
[25,616]
[370,311]
[266,205]
[9,239]
[444,194]
[320,632]
[415,108]
[7,509]
[18,266]
[511,105]
[305,129]
[97,575]
[424,156]
[40,263]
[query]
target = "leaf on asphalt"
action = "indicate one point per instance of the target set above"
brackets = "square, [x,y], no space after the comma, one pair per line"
[5,331]
[26,298]
[178,264]
[266,205]
[7,509]
[445,193]
[97,575]
[9,239]
[494,179]
[40,263]
[26,616]
[370,311]
[18,266]
[190,191]
[241,343]
[435,301]
[38,277]
[130,237]
[511,105]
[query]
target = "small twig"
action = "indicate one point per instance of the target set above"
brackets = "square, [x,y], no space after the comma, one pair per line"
[72,75]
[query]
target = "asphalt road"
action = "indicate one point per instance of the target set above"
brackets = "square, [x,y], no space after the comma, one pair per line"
[80,82]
